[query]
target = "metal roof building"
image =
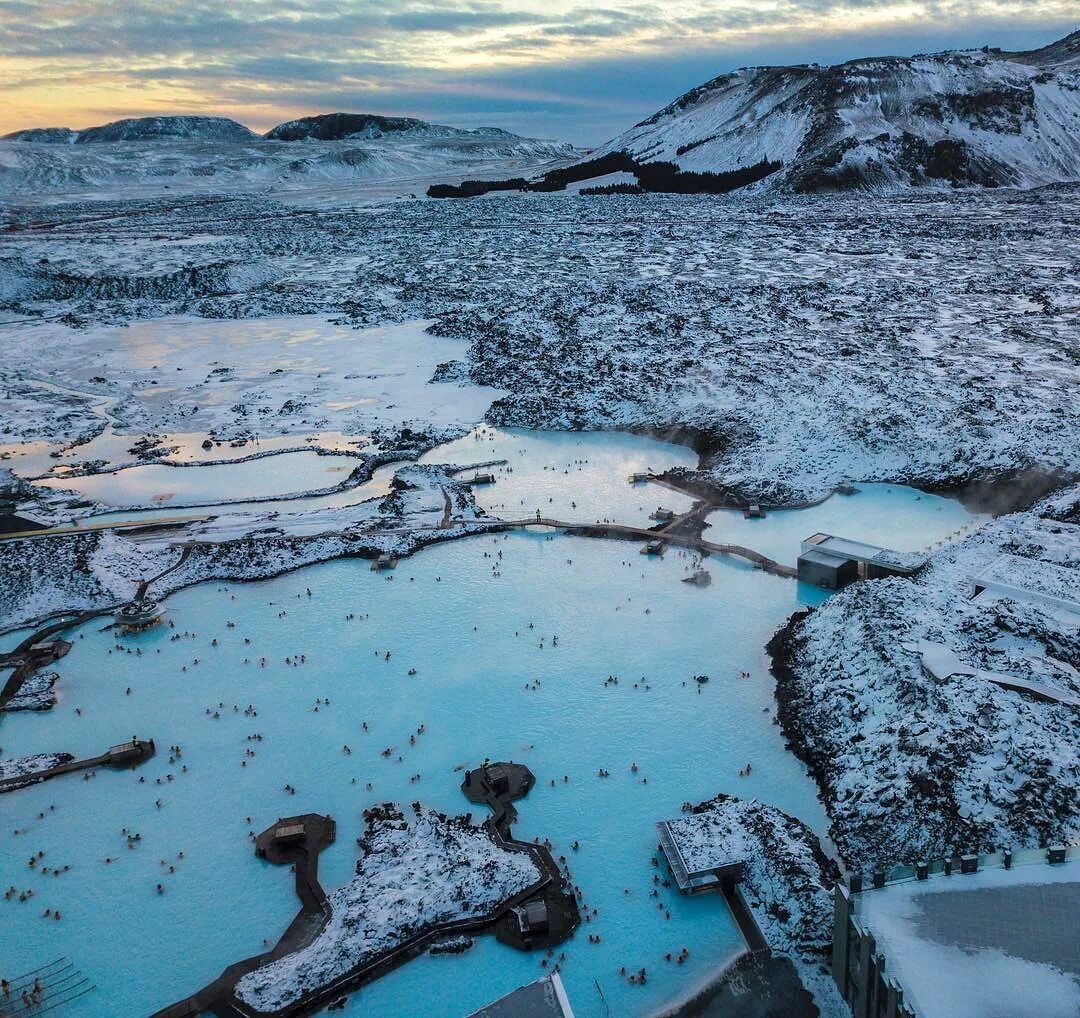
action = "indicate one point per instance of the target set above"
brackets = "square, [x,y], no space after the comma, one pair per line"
[546,998]
[829,561]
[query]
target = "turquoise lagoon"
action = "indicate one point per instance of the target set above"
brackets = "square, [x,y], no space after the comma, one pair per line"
[476,619]
[889,515]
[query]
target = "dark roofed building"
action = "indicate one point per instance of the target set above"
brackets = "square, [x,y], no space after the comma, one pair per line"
[546,998]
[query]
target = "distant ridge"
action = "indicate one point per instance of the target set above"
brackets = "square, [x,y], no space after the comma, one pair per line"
[211,154]
[44,135]
[319,127]
[178,128]
[338,126]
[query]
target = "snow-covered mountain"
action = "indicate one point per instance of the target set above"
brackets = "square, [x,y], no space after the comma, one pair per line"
[981,117]
[214,154]
[341,126]
[44,135]
[140,129]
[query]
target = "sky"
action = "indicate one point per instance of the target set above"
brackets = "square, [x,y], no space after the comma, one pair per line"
[546,68]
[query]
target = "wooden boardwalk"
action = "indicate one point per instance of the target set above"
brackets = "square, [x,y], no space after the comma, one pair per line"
[126,754]
[684,540]
[319,833]
[24,660]
[453,471]
[70,529]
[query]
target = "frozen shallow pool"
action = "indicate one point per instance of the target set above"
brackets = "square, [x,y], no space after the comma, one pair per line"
[158,484]
[377,486]
[576,476]
[289,374]
[35,459]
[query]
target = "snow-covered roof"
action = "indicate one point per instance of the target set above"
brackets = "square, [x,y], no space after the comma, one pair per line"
[1032,580]
[843,547]
[942,662]
[994,942]
[694,851]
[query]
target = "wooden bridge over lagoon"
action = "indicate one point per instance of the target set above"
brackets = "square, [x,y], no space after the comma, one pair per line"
[675,533]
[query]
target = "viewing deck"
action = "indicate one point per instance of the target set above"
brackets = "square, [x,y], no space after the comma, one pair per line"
[692,878]
[698,868]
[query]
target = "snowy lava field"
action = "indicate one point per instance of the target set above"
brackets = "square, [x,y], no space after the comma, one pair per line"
[927,339]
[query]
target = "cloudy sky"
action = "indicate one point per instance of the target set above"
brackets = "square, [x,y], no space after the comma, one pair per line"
[550,68]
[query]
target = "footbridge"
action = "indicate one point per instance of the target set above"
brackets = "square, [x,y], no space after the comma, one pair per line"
[671,534]
[684,531]
[125,755]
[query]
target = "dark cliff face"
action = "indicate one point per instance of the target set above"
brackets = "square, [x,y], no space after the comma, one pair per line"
[335,126]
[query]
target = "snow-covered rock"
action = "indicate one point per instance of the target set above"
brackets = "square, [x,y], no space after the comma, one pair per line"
[983,117]
[913,765]
[410,878]
[25,767]
[927,338]
[36,693]
[787,878]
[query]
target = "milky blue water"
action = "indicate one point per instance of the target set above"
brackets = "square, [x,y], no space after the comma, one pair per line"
[10,640]
[158,484]
[889,515]
[574,477]
[469,691]
[378,485]
[487,684]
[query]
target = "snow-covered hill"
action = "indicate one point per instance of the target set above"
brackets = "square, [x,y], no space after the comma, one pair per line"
[44,135]
[356,126]
[140,129]
[980,117]
[152,155]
